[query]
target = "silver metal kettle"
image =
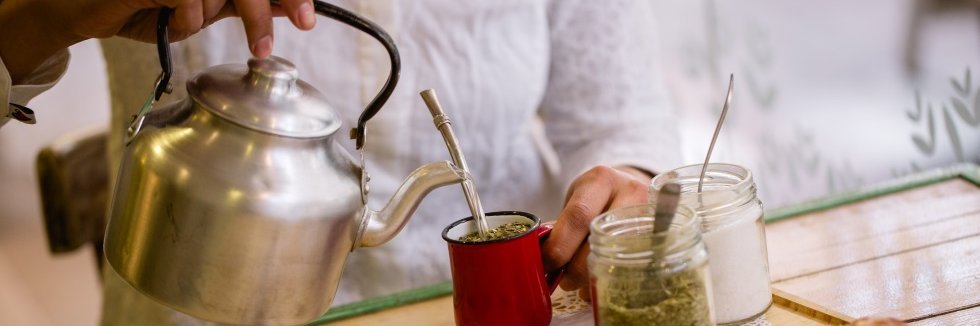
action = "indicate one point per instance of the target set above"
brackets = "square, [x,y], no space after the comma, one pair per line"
[237,204]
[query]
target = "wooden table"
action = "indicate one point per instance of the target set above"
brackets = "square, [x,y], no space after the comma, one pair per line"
[908,249]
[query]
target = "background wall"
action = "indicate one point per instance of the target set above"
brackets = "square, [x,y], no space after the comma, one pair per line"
[829,95]
[40,289]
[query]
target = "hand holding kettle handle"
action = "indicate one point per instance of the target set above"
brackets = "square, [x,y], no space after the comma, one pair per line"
[359,133]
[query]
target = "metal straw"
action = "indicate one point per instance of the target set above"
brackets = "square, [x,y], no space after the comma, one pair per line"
[721,120]
[445,127]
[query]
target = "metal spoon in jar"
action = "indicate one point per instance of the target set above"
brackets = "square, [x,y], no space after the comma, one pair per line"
[667,200]
[721,120]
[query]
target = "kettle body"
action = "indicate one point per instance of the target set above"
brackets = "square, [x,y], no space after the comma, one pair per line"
[201,193]
[282,214]
[237,205]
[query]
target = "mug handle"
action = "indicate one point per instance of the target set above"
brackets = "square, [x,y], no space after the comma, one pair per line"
[553,277]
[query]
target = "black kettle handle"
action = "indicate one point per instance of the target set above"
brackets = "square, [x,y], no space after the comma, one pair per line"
[325,9]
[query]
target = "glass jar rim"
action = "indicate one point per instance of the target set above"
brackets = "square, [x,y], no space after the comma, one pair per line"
[687,176]
[727,188]
[627,232]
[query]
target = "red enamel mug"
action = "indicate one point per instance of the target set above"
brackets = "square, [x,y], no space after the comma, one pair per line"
[501,282]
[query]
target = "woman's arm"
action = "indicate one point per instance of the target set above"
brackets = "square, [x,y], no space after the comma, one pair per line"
[28,37]
[31,31]
[604,106]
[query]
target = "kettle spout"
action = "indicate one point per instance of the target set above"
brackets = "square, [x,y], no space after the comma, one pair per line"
[377,227]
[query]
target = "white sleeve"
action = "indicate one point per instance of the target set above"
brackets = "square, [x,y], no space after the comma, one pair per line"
[605,102]
[42,79]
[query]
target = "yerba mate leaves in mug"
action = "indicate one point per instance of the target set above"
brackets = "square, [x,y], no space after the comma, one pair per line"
[505,231]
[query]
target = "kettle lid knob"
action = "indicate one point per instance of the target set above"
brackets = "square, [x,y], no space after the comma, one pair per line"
[274,74]
[265,96]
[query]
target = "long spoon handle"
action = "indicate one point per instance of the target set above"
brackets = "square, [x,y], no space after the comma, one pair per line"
[721,120]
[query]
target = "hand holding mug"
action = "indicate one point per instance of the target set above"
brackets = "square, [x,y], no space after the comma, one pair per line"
[598,190]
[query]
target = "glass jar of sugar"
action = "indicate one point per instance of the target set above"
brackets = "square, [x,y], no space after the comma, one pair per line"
[641,278]
[733,230]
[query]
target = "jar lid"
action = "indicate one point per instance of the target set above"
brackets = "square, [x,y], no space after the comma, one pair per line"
[265,96]
[727,189]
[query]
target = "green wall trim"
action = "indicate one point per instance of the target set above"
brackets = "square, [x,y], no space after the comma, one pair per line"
[385,302]
[973,176]
[969,172]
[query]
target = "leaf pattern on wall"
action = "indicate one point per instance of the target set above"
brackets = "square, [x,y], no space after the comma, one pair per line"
[943,123]
[764,96]
[915,116]
[962,89]
[976,110]
[971,118]
[954,136]
[797,162]
[756,66]
[754,54]
[957,103]
[963,112]
[927,147]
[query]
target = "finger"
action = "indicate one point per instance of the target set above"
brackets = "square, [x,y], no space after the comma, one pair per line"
[587,200]
[300,12]
[213,8]
[141,26]
[257,17]
[585,294]
[597,173]
[224,11]
[572,226]
[628,193]
[577,271]
[188,19]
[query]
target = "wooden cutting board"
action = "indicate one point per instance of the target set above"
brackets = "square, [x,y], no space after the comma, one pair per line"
[911,251]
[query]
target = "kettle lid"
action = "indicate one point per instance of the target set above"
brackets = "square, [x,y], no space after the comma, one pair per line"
[267,96]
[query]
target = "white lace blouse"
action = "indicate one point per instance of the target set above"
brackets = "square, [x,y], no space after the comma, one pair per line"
[538,92]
